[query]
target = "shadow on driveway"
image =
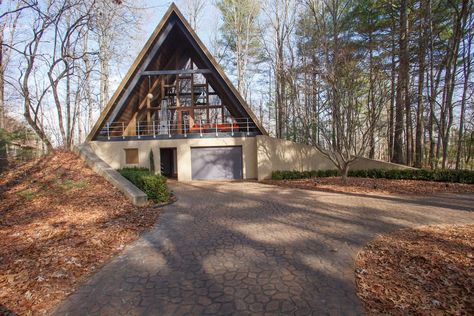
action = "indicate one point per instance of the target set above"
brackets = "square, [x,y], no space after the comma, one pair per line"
[249,248]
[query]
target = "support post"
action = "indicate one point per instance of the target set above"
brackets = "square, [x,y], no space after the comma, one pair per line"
[123,130]
[138,129]
[184,123]
[169,128]
[108,130]
[200,127]
[248,130]
[154,130]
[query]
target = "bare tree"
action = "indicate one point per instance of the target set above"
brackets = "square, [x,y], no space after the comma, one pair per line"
[6,42]
[352,125]
[281,17]
[466,72]
[194,10]
[241,35]
[113,21]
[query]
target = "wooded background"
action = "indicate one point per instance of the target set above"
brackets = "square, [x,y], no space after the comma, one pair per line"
[388,79]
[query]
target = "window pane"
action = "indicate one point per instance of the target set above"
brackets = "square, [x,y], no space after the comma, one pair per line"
[214,100]
[200,115]
[215,115]
[199,79]
[185,92]
[200,95]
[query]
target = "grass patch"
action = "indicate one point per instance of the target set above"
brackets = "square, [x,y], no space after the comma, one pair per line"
[69,184]
[152,184]
[27,194]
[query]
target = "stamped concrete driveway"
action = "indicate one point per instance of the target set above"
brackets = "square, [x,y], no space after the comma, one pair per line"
[243,248]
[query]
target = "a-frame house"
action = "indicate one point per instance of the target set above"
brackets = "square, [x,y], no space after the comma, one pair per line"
[177,102]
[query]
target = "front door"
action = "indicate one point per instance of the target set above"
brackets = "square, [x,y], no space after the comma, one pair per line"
[168,162]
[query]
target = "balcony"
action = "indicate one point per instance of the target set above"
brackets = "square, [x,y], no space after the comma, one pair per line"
[188,128]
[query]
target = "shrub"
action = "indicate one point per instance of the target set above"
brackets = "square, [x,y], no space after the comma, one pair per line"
[455,176]
[152,184]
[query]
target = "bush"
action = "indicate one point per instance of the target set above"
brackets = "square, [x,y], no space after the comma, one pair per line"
[153,185]
[454,176]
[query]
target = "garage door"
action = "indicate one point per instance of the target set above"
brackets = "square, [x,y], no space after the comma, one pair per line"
[209,163]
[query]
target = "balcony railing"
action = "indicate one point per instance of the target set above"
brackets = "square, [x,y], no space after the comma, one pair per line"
[187,128]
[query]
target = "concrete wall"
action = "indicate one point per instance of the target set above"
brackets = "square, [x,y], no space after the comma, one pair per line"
[261,155]
[113,153]
[277,154]
[116,179]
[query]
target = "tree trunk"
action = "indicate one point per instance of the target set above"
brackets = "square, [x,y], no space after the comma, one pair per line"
[392,99]
[450,81]
[344,172]
[432,93]
[104,75]
[32,123]
[3,144]
[466,73]
[420,126]
[406,91]
[401,85]
[371,100]
[2,82]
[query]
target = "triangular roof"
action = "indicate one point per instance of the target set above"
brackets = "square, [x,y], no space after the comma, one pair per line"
[171,18]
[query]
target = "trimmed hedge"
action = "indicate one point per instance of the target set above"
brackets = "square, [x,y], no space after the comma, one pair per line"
[152,184]
[292,175]
[454,176]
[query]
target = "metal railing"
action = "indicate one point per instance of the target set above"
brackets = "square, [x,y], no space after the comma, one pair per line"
[188,127]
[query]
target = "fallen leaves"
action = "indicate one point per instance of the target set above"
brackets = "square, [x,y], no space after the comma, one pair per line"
[368,185]
[59,221]
[424,271]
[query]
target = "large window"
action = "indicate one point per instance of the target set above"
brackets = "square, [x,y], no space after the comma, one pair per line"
[183,103]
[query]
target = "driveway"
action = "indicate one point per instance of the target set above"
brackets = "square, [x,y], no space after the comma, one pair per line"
[245,247]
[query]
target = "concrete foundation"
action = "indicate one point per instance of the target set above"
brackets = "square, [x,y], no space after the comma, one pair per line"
[260,155]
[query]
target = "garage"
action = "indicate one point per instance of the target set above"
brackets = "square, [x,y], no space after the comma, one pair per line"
[216,163]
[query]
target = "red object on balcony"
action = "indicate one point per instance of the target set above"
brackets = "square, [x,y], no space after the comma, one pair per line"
[220,127]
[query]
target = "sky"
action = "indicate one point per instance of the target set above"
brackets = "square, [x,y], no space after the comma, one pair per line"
[207,27]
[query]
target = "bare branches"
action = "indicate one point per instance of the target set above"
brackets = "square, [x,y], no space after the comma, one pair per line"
[57,54]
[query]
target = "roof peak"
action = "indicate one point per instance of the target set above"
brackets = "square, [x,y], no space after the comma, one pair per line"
[150,48]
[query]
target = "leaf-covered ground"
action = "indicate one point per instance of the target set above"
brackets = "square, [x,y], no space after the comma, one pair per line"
[59,222]
[424,271]
[368,185]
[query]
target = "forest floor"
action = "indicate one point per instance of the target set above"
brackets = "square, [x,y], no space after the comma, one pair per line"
[375,186]
[59,222]
[423,271]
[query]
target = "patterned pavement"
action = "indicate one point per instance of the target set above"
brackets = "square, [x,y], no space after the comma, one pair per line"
[247,248]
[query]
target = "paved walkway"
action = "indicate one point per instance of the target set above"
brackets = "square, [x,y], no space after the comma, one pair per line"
[243,248]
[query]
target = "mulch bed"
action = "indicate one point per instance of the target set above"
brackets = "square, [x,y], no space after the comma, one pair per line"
[59,222]
[379,186]
[424,271]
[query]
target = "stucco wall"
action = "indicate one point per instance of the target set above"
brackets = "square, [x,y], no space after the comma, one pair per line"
[277,154]
[113,153]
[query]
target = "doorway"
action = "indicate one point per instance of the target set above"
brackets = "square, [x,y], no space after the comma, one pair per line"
[168,162]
